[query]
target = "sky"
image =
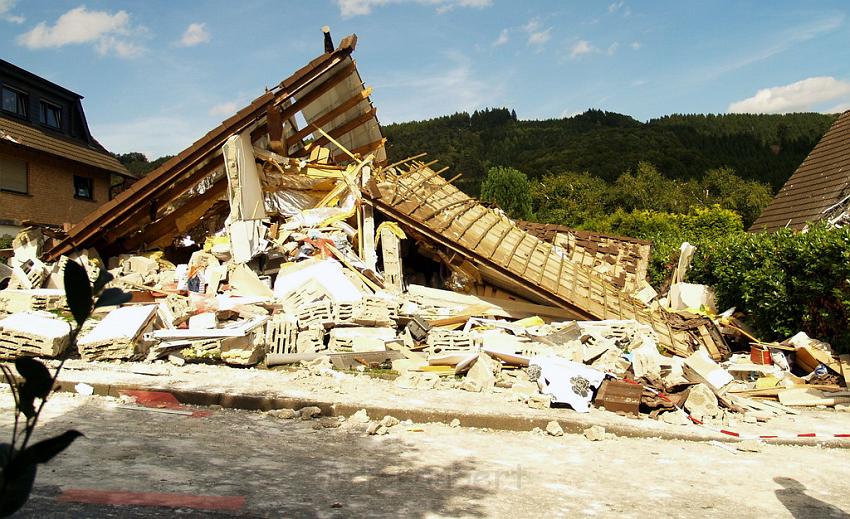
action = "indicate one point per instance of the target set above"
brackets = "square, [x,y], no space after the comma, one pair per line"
[157,75]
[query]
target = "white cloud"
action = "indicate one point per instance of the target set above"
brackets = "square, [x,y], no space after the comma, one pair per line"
[537,35]
[121,48]
[502,39]
[412,95]
[107,32]
[802,96]
[532,25]
[352,8]
[839,108]
[155,135]
[780,42]
[224,109]
[580,48]
[5,12]
[619,7]
[635,45]
[195,34]
[540,37]
[612,48]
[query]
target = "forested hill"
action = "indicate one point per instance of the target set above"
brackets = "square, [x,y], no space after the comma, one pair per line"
[767,148]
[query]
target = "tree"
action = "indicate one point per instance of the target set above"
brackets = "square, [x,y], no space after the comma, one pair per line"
[569,198]
[509,189]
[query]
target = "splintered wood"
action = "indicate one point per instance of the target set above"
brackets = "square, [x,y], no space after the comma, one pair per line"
[420,199]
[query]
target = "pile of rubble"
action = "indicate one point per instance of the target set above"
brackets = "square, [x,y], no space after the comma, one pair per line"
[259,246]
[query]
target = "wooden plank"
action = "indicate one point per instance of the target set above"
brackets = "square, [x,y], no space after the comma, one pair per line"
[166,228]
[332,114]
[844,362]
[277,142]
[338,132]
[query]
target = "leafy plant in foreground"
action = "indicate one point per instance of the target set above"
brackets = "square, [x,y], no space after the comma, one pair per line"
[19,460]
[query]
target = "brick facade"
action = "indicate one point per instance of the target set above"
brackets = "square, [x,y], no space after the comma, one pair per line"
[50,198]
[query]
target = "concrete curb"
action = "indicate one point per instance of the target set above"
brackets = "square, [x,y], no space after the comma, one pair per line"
[469,418]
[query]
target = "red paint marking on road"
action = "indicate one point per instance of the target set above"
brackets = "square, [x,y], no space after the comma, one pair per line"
[807,435]
[161,400]
[153,398]
[110,497]
[842,435]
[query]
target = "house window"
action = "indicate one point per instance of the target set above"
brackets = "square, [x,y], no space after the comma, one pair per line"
[83,188]
[51,114]
[13,175]
[14,101]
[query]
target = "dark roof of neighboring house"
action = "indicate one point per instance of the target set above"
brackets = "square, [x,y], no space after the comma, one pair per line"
[37,79]
[821,182]
[41,140]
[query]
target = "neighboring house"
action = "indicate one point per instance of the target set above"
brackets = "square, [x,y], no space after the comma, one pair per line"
[819,189]
[52,171]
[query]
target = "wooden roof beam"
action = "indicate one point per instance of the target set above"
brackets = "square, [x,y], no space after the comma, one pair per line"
[334,113]
[339,131]
[361,150]
[137,219]
[168,227]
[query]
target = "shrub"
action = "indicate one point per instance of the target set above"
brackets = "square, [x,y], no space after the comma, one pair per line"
[509,189]
[784,281]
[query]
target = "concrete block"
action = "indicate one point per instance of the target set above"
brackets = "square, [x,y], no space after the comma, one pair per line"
[22,300]
[443,341]
[119,335]
[320,313]
[372,311]
[33,335]
[244,351]
[311,340]
[702,403]
[140,265]
[203,321]
[343,339]
[281,333]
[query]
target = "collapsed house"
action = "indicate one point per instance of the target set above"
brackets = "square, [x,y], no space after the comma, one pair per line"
[286,234]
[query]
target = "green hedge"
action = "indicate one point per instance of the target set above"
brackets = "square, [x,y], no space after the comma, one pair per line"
[785,281]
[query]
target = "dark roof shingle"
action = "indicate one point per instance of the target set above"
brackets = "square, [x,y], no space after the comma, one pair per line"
[36,139]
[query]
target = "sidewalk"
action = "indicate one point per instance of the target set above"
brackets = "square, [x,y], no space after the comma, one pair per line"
[342,394]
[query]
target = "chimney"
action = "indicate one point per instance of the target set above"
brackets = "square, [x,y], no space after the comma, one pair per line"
[329,43]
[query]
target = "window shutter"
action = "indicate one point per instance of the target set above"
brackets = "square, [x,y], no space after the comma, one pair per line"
[13,174]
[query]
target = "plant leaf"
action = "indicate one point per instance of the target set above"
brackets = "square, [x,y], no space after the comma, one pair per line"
[113,296]
[78,291]
[25,401]
[102,279]
[16,484]
[37,378]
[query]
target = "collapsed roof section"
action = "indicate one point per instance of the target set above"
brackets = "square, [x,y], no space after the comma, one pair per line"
[431,208]
[342,165]
[621,260]
[328,92]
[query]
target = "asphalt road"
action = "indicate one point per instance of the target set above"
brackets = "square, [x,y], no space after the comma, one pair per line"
[248,464]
